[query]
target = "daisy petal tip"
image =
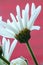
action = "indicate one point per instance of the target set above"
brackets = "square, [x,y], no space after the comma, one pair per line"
[35,28]
[17,7]
[15,40]
[11,14]
[39,8]
[0,18]
[38,28]
[27,4]
[3,38]
[8,21]
[33,3]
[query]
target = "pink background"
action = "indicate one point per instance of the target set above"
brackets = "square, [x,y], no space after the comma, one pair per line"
[36,41]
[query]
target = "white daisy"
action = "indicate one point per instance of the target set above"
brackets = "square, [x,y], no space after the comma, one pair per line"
[20,28]
[7,49]
[7,52]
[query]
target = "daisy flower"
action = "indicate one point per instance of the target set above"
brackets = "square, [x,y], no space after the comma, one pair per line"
[19,61]
[20,27]
[7,49]
[7,52]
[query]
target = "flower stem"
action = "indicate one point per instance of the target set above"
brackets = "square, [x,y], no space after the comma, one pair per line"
[28,45]
[5,60]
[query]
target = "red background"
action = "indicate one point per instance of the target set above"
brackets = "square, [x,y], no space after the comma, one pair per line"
[36,41]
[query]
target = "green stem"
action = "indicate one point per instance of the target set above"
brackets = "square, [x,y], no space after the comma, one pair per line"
[32,53]
[5,60]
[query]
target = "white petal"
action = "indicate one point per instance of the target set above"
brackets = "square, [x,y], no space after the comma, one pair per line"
[6,33]
[3,45]
[32,9]
[18,10]
[9,26]
[27,8]
[26,14]
[8,48]
[5,48]
[18,61]
[13,18]
[19,26]
[20,22]
[13,45]
[35,28]
[0,18]
[19,17]
[2,23]
[6,53]
[23,18]
[14,23]
[33,17]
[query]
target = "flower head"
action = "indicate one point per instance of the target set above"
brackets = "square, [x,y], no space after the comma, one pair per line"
[18,61]
[20,27]
[7,49]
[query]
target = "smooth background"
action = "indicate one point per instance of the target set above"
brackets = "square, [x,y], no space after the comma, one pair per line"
[36,41]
